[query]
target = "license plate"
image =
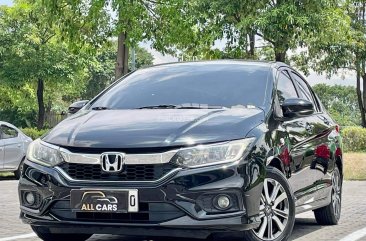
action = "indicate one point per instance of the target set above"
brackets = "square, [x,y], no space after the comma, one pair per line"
[104,201]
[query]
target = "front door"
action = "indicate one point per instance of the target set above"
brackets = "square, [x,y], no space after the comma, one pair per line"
[316,166]
[293,136]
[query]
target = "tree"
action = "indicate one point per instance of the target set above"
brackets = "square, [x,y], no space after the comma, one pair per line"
[18,105]
[143,58]
[93,23]
[346,52]
[31,52]
[282,25]
[341,103]
[100,68]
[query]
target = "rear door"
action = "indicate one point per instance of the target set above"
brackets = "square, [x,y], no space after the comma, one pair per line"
[13,147]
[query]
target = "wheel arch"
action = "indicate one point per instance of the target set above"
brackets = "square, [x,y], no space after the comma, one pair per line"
[277,163]
[339,164]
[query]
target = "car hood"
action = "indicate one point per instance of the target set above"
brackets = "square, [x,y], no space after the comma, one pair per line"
[153,127]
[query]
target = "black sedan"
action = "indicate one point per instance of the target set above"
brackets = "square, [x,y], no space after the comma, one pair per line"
[188,150]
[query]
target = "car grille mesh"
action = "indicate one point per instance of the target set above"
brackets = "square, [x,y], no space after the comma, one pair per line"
[130,172]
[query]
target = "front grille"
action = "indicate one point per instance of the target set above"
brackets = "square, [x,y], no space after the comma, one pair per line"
[148,213]
[130,172]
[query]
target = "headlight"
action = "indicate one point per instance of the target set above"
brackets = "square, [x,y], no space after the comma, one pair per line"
[44,154]
[204,155]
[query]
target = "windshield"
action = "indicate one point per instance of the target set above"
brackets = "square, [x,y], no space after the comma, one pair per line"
[188,84]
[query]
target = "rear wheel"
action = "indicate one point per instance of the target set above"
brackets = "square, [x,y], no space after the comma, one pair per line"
[44,234]
[277,210]
[330,215]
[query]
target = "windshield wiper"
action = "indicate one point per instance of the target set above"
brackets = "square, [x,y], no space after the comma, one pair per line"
[199,107]
[158,107]
[182,106]
[100,108]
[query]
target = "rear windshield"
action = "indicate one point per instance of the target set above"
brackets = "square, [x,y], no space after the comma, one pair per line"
[225,85]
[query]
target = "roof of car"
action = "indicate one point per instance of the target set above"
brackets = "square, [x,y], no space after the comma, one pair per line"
[8,124]
[273,64]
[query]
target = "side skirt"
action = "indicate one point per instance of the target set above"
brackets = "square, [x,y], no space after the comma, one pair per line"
[310,202]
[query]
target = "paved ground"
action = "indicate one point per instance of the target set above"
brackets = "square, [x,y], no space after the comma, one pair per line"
[353,217]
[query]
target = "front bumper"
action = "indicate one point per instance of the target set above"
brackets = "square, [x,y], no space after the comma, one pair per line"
[169,207]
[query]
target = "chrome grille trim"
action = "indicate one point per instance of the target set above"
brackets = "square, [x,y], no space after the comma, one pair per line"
[130,159]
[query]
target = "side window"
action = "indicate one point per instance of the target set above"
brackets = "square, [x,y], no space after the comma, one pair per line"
[305,91]
[8,132]
[285,87]
[318,104]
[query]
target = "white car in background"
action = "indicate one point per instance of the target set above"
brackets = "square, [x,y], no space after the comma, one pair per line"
[13,148]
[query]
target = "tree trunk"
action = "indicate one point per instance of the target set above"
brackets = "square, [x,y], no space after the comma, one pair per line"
[280,55]
[363,104]
[122,56]
[359,95]
[41,107]
[252,45]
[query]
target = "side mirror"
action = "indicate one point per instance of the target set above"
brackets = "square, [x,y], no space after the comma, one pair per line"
[76,106]
[295,107]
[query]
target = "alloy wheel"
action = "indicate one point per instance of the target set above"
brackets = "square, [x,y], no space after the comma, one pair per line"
[274,210]
[336,194]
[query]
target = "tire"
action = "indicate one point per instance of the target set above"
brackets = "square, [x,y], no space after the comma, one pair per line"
[44,234]
[18,172]
[276,205]
[330,215]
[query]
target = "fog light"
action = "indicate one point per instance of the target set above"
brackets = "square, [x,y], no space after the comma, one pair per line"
[29,198]
[222,202]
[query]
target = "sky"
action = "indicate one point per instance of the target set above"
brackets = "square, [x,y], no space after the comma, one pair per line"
[6,2]
[346,78]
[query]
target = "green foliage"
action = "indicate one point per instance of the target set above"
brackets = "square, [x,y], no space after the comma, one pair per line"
[36,36]
[143,58]
[283,25]
[341,103]
[34,133]
[33,48]
[100,68]
[32,55]
[354,139]
[329,54]
[94,22]
[18,105]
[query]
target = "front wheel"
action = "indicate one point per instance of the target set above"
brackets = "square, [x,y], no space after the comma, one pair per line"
[276,211]
[46,235]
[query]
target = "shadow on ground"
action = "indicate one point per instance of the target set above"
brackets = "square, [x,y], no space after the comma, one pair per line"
[7,178]
[302,226]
